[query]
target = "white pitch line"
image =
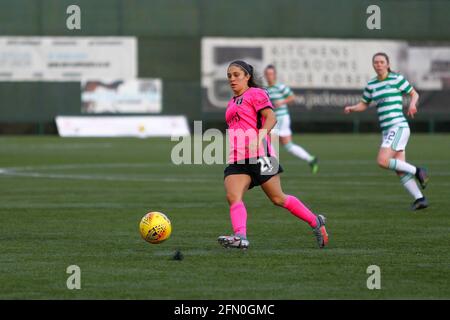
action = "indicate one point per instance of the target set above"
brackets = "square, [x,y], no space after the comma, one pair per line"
[362,162]
[169,164]
[57,146]
[183,179]
[344,174]
[88,165]
[24,171]
[98,177]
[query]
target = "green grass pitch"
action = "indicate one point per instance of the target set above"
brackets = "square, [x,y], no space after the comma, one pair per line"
[79,201]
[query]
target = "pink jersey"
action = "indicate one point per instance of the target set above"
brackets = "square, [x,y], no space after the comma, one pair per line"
[244,121]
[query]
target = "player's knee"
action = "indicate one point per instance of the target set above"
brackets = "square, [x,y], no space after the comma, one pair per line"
[288,145]
[278,200]
[233,197]
[383,162]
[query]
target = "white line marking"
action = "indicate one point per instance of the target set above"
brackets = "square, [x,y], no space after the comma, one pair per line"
[89,165]
[169,164]
[100,177]
[31,171]
[360,162]
[188,178]
[56,146]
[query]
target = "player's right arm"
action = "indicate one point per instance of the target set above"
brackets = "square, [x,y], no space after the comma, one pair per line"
[359,107]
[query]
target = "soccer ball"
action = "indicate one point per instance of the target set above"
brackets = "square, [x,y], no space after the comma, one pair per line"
[155,227]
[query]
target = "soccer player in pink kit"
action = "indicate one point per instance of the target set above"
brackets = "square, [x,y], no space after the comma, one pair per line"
[252,162]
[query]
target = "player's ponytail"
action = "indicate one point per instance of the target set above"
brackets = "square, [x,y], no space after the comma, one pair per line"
[248,70]
[383,55]
[252,81]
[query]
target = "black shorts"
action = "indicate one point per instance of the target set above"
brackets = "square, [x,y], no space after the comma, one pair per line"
[252,167]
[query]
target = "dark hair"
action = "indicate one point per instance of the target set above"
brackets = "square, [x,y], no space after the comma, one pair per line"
[271,66]
[248,70]
[383,55]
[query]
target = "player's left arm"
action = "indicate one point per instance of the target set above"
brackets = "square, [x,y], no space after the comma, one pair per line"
[412,109]
[269,123]
[290,97]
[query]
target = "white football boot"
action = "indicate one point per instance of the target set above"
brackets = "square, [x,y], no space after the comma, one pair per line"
[234,241]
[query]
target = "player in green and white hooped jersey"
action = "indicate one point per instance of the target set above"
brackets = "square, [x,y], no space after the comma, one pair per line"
[281,95]
[386,90]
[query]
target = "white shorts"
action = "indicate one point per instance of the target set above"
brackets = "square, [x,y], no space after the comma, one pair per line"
[395,138]
[283,126]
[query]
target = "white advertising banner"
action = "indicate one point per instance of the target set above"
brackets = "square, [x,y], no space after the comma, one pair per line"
[429,67]
[331,64]
[306,63]
[121,96]
[67,58]
[117,126]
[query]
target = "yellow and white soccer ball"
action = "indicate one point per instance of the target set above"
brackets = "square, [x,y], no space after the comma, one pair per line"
[155,227]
